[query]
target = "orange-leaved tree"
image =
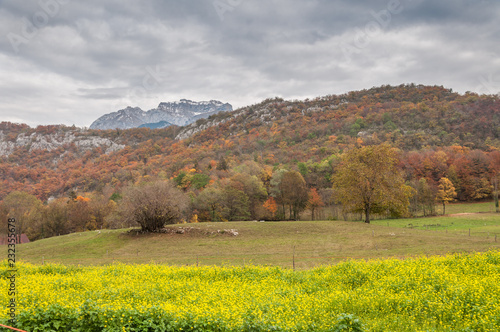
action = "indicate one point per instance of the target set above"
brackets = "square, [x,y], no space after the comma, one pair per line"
[271,206]
[314,202]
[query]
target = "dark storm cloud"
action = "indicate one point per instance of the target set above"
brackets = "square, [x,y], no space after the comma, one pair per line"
[77,60]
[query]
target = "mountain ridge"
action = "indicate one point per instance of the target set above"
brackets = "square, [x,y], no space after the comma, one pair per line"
[178,113]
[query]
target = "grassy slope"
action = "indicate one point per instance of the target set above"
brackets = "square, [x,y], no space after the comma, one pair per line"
[314,242]
[467,207]
[480,224]
[478,217]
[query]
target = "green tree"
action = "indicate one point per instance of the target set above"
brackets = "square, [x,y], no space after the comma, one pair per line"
[356,127]
[369,181]
[446,192]
[179,179]
[235,204]
[210,200]
[200,180]
[302,168]
[253,188]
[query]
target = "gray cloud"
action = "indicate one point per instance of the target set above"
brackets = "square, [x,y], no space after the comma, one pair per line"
[67,61]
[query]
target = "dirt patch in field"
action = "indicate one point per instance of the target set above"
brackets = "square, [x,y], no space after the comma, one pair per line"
[462,214]
[193,231]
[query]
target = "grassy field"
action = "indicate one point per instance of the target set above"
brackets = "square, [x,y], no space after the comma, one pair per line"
[467,207]
[476,219]
[335,212]
[215,285]
[479,224]
[303,244]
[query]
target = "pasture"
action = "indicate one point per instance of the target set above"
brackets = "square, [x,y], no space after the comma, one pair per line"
[299,244]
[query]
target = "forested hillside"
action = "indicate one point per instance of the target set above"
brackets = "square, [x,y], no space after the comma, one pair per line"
[241,154]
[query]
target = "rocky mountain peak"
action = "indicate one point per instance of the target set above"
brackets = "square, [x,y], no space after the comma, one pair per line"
[179,113]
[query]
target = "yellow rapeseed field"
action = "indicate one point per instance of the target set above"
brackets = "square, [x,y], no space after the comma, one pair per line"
[450,293]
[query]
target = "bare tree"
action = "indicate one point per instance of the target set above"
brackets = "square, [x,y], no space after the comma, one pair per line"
[495,192]
[26,209]
[55,219]
[153,205]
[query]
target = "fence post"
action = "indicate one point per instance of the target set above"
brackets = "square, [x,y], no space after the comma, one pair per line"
[293,258]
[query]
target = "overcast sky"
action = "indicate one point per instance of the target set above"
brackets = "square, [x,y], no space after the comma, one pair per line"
[69,62]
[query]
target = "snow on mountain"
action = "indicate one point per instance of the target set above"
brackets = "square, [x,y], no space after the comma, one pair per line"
[122,119]
[179,113]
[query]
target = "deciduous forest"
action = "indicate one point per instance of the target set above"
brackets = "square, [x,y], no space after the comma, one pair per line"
[276,160]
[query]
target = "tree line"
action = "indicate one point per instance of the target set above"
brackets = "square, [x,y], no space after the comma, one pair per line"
[366,180]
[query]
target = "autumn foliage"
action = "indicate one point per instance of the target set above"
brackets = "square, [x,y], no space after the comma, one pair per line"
[276,149]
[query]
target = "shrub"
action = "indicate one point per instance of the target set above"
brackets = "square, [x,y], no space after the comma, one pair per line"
[153,205]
